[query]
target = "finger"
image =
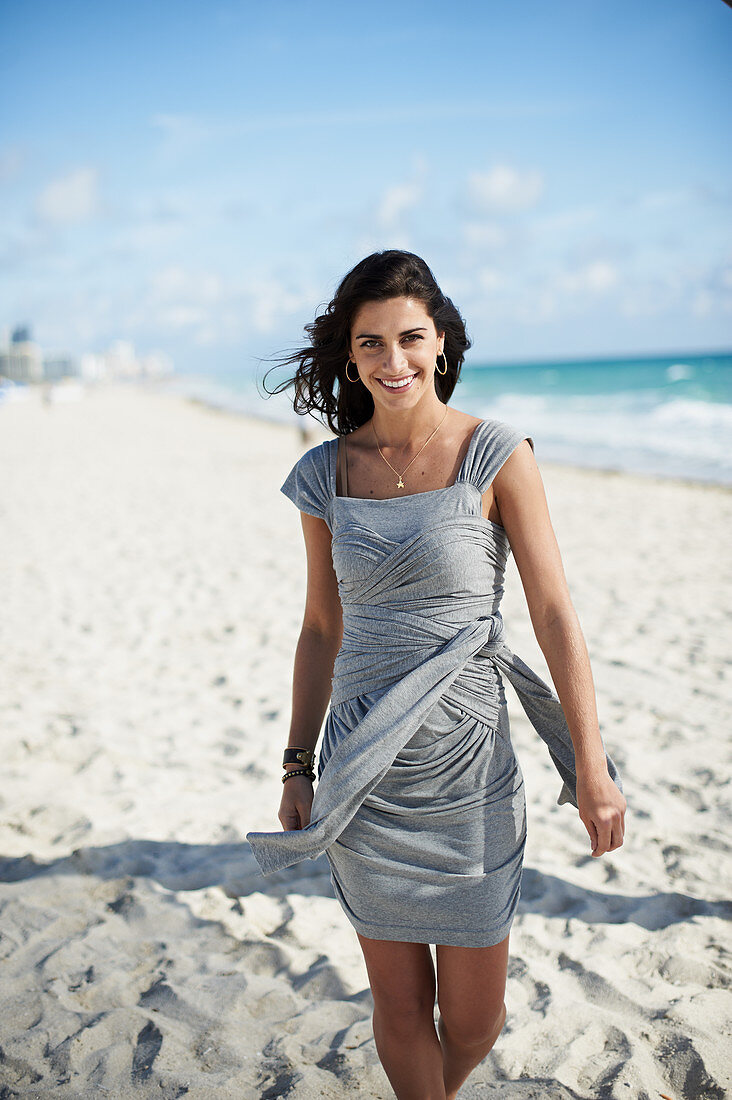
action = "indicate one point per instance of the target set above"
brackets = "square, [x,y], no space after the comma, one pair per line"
[590,826]
[604,834]
[290,822]
[617,829]
[303,815]
[617,838]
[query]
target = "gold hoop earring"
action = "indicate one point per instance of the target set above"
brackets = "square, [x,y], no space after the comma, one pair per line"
[437,367]
[358,376]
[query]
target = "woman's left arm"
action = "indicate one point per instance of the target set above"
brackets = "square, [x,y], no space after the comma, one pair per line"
[519,495]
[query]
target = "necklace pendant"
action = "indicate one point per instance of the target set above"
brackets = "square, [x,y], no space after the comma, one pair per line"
[400,484]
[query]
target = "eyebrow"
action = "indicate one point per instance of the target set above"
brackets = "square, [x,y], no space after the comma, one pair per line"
[375,336]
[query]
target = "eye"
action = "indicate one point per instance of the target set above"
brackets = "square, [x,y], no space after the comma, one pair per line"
[374,343]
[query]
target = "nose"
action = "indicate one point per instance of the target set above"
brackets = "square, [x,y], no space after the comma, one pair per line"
[395,357]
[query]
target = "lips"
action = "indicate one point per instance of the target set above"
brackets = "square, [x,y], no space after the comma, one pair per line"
[403,385]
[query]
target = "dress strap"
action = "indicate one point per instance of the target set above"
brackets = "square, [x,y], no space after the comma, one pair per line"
[309,484]
[342,466]
[491,444]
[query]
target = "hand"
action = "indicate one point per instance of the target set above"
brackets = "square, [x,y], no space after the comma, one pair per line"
[297,798]
[602,810]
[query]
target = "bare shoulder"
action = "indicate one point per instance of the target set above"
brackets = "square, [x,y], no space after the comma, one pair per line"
[519,496]
[458,419]
[359,436]
[516,488]
[460,427]
[519,467]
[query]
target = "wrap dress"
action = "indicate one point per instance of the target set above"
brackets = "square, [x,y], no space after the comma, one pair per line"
[420,804]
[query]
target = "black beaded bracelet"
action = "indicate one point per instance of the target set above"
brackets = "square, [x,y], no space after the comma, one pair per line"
[299,771]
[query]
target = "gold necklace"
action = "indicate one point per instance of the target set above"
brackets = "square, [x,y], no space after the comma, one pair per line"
[400,483]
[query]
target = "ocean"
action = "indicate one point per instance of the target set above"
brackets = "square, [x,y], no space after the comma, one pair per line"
[668,416]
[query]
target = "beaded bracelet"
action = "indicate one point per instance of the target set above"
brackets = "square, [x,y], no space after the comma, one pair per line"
[299,771]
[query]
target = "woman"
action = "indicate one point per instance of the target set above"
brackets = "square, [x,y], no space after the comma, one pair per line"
[409,516]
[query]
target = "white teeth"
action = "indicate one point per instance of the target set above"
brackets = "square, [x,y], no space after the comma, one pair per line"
[397,385]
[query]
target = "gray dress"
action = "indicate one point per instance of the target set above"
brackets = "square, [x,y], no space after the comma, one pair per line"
[420,804]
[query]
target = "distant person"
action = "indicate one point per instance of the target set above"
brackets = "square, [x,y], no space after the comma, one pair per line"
[409,516]
[307,434]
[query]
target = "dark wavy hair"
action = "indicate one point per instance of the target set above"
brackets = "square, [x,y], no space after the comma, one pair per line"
[320,377]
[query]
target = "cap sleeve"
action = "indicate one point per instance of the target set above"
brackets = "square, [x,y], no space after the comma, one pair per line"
[308,483]
[495,441]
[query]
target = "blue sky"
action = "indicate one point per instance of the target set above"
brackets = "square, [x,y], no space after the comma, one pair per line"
[198,177]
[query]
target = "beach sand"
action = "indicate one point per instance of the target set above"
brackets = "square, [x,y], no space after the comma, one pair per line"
[152,580]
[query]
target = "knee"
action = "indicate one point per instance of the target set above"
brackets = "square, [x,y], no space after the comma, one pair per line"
[472,1029]
[402,1013]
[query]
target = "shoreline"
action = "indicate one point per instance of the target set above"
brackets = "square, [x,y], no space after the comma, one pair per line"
[319,432]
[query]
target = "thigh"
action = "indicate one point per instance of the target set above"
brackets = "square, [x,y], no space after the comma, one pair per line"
[471,984]
[401,975]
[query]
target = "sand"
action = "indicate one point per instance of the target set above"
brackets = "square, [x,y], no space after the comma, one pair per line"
[152,581]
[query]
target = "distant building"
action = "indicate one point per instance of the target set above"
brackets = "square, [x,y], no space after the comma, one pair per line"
[121,361]
[23,361]
[56,367]
[93,367]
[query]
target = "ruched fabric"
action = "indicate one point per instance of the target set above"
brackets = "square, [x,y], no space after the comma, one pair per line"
[420,802]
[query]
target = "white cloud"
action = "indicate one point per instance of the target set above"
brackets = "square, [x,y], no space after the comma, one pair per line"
[489,279]
[503,293]
[184,299]
[183,132]
[174,283]
[217,310]
[596,277]
[600,276]
[271,302]
[398,199]
[182,316]
[11,163]
[702,304]
[649,297]
[663,200]
[395,202]
[70,199]
[178,124]
[368,241]
[714,296]
[503,189]
[485,234]
[534,308]
[563,220]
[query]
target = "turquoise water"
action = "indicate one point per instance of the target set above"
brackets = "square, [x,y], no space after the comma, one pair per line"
[670,416]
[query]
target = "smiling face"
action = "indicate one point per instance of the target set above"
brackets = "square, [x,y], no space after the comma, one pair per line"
[395,345]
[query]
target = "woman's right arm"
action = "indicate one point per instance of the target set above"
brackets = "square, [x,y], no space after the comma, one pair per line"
[320,639]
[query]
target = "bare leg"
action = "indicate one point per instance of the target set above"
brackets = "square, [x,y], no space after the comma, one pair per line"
[471,988]
[402,979]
